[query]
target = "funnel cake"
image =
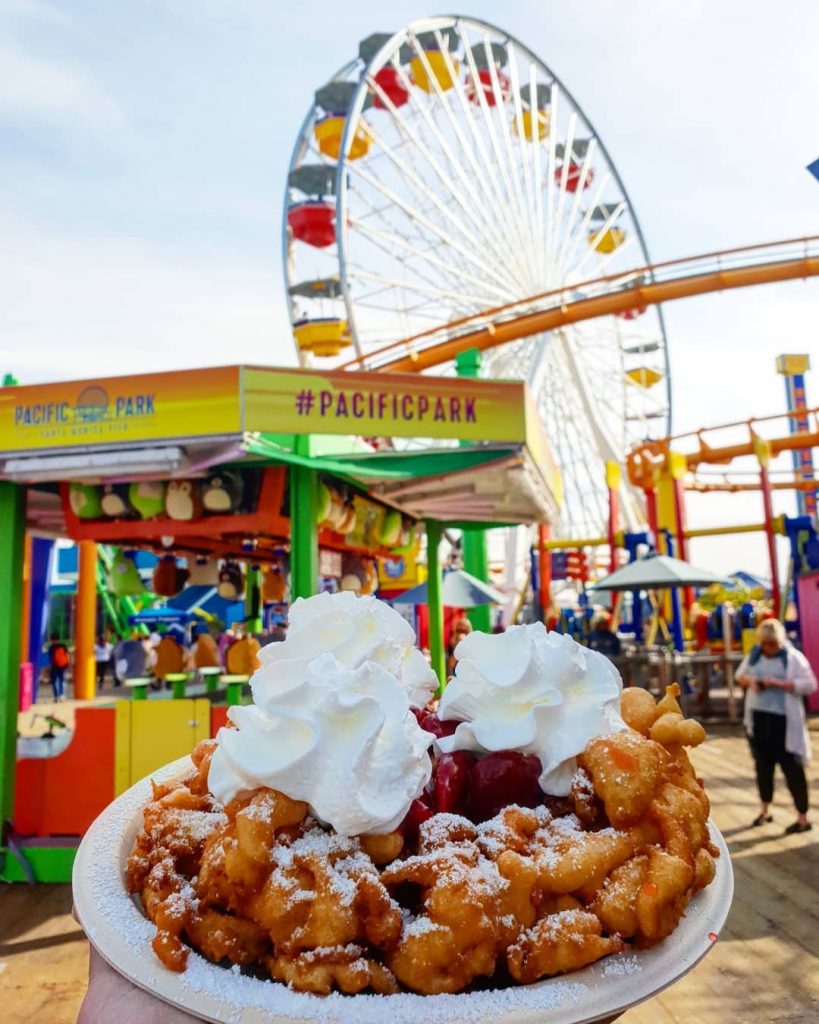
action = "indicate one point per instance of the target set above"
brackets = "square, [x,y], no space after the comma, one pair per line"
[442,903]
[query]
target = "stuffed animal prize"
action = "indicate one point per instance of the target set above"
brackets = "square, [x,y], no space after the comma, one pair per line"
[84,500]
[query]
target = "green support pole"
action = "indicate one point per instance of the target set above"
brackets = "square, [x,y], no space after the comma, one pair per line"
[303,529]
[13,520]
[253,600]
[475,551]
[435,582]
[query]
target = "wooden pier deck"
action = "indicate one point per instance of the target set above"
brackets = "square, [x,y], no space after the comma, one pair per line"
[763,970]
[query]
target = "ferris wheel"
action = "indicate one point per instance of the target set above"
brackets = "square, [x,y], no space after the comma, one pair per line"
[445,171]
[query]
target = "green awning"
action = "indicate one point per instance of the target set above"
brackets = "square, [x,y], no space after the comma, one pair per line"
[388,465]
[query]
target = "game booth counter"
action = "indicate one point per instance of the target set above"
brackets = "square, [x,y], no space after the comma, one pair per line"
[247,480]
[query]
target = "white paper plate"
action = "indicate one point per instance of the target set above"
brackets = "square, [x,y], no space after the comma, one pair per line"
[121,934]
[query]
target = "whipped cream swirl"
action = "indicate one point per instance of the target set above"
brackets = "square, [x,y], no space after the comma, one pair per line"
[356,629]
[329,724]
[532,691]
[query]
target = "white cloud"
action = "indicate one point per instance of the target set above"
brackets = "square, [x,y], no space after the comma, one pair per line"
[80,306]
[36,88]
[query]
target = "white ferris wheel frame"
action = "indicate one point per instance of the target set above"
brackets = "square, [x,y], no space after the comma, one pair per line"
[538,348]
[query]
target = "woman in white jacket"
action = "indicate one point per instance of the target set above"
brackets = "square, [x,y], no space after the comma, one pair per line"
[777,677]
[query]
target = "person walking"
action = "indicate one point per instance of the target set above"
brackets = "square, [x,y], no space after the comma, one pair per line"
[58,661]
[777,677]
[602,637]
[103,651]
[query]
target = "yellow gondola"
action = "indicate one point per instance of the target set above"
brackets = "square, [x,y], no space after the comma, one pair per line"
[323,337]
[328,132]
[610,240]
[444,69]
[533,124]
[644,376]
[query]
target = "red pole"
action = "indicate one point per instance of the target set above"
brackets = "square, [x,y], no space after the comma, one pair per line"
[613,484]
[682,540]
[651,512]
[544,533]
[767,505]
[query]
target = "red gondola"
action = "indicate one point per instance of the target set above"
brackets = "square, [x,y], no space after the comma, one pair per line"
[313,222]
[573,177]
[389,82]
[486,86]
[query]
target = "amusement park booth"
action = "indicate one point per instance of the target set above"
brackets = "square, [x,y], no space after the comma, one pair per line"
[238,470]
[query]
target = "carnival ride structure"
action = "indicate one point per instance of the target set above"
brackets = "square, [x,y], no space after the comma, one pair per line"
[446,171]
[446,193]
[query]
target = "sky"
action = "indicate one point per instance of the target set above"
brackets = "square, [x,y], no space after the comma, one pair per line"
[144,147]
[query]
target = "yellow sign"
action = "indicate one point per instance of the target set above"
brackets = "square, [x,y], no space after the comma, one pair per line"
[401,572]
[120,410]
[383,405]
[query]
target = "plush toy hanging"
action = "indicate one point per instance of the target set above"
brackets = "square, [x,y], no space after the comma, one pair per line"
[274,585]
[407,540]
[203,572]
[182,500]
[353,573]
[347,524]
[84,500]
[205,653]
[222,492]
[391,530]
[170,656]
[115,500]
[123,578]
[242,657]
[169,578]
[324,500]
[231,584]
[147,497]
[370,584]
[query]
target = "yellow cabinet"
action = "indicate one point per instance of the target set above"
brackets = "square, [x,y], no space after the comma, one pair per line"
[151,733]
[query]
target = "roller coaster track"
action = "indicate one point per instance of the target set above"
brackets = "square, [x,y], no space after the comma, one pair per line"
[598,297]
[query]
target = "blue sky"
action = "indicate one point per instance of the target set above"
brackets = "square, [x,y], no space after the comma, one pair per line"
[143,149]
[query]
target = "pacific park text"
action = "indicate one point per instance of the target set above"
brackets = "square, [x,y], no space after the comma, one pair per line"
[382,405]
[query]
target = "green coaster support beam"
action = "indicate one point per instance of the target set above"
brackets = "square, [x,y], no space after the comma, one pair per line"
[435,582]
[13,520]
[303,528]
[475,550]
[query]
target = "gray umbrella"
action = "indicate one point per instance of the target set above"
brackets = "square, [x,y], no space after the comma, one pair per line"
[460,590]
[657,572]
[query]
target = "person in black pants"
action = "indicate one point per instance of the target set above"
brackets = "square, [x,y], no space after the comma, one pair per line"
[777,677]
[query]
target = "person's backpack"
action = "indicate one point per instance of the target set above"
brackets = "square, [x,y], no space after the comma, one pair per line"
[60,657]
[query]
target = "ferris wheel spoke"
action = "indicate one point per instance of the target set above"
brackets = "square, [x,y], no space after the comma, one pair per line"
[575,446]
[394,283]
[430,196]
[571,240]
[524,148]
[503,153]
[495,223]
[415,215]
[603,263]
[483,167]
[422,221]
[387,241]
[489,232]
[562,186]
[564,257]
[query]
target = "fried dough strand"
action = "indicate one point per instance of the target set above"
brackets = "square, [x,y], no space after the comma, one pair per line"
[532,893]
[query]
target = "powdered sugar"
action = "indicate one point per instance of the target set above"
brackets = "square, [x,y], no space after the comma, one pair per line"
[621,964]
[117,928]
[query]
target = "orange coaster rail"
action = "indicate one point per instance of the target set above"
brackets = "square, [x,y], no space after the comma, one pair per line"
[644,286]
